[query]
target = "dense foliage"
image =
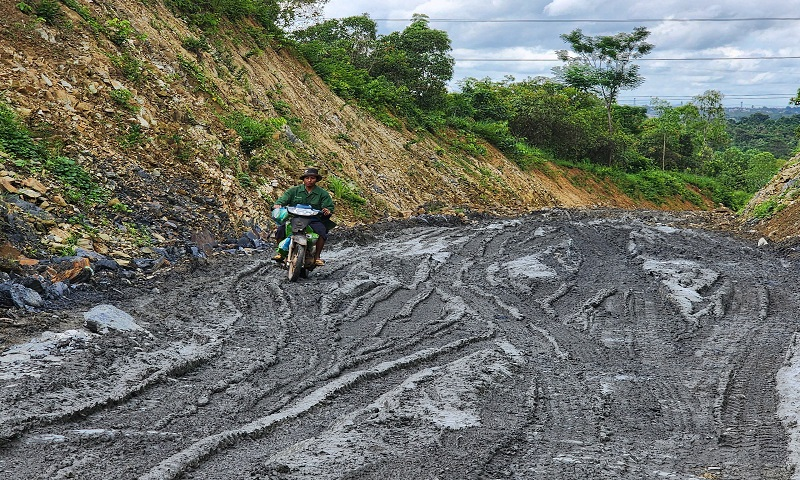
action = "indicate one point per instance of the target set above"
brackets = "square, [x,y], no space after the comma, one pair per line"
[403,74]
[758,131]
[572,118]
[269,14]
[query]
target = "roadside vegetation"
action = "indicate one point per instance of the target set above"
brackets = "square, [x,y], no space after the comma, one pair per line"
[19,147]
[656,152]
[572,119]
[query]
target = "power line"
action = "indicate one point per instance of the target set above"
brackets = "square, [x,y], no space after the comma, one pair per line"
[638,59]
[593,20]
[763,96]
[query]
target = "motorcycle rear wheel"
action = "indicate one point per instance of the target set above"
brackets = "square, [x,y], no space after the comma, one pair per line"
[294,260]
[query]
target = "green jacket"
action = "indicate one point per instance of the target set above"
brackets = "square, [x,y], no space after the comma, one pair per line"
[318,198]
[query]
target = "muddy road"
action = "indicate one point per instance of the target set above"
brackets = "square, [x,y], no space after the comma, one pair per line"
[562,345]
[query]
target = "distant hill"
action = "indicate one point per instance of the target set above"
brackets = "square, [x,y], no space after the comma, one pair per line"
[772,112]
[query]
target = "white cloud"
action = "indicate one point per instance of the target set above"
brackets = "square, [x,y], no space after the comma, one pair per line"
[569,7]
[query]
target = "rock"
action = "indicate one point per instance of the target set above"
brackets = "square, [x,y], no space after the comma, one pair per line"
[104,317]
[70,269]
[91,255]
[16,295]
[83,276]
[35,185]
[7,183]
[30,193]
[34,283]
[762,241]
[9,252]
[106,264]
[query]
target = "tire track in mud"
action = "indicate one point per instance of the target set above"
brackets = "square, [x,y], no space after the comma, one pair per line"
[559,345]
[363,298]
[747,412]
[178,463]
[133,377]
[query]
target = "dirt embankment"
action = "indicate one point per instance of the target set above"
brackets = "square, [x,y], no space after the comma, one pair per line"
[775,210]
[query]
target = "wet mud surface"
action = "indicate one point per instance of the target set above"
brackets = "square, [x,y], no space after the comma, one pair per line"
[561,345]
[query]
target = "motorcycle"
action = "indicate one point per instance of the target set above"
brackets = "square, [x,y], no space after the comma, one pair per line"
[299,247]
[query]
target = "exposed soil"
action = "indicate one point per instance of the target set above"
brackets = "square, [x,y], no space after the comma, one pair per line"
[560,345]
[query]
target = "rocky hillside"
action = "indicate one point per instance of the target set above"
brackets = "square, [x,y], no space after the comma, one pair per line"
[146,118]
[775,210]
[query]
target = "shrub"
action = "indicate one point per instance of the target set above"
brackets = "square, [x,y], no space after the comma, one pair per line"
[47,10]
[196,45]
[345,190]
[124,98]
[768,208]
[253,133]
[78,182]
[129,65]
[496,133]
[15,139]
[119,31]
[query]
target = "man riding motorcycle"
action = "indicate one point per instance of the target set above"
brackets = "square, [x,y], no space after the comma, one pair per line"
[308,193]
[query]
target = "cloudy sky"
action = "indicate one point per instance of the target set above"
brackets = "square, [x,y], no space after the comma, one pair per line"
[730,46]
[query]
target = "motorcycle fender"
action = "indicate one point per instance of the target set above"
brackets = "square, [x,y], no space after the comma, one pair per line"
[300,239]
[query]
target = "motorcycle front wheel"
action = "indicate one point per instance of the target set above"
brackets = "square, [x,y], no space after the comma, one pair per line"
[294,260]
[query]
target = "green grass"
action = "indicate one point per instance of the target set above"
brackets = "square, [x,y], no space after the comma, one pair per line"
[768,208]
[345,190]
[79,184]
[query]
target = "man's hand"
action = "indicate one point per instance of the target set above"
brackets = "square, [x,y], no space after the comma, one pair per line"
[276,206]
[326,212]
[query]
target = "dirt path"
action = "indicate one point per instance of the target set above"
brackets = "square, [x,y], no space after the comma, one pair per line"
[562,345]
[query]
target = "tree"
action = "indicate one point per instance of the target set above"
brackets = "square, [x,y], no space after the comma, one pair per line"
[602,64]
[712,124]
[796,100]
[668,125]
[742,170]
[417,58]
[355,35]
[488,100]
[559,119]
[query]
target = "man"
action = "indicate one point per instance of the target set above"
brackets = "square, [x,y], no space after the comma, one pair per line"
[318,198]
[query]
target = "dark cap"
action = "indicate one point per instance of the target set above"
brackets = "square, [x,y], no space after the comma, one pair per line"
[311,172]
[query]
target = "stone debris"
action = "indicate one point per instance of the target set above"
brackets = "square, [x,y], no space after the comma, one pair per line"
[104,317]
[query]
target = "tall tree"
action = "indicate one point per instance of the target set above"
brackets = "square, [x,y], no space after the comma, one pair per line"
[668,125]
[712,126]
[417,58]
[603,64]
[355,35]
